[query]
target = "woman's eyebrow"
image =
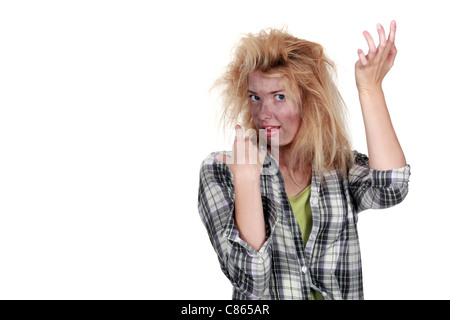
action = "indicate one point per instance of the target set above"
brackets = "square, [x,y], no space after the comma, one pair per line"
[271,92]
[276,91]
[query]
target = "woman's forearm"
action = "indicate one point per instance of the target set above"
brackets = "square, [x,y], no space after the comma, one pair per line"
[249,214]
[385,152]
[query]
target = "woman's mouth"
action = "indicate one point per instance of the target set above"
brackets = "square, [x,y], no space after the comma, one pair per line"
[270,131]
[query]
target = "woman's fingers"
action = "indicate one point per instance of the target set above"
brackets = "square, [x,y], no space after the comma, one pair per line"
[381,35]
[389,50]
[371,69]
[362,57]
[385,48]
[371,43]
[245,149]
[392,31]
[239,133]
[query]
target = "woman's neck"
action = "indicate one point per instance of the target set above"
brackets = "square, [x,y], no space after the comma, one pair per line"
[282,154]
[301,174]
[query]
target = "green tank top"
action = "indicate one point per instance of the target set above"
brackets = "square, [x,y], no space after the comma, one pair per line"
[302,211]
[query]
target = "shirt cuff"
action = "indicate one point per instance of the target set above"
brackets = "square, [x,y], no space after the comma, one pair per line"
[388,178]
[234,236]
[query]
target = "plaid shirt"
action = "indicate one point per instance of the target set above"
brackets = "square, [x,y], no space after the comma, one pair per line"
[284,268]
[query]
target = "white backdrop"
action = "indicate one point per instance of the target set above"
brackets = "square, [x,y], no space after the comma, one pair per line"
[105,117]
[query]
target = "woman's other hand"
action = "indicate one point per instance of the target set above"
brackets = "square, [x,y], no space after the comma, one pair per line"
[246,160]
[371,69]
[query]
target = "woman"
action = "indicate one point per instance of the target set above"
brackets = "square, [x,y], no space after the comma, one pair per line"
[290,232]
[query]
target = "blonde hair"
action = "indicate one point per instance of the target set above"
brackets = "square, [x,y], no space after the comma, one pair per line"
[322,141]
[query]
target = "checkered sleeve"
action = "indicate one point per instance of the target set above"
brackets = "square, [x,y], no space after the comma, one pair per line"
[376,189]
[247,269]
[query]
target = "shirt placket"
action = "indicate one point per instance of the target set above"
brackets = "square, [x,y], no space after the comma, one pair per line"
[302,261]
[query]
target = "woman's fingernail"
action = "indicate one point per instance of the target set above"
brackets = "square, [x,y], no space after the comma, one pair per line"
[379,26]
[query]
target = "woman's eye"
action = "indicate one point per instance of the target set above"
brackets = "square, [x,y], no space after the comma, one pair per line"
[254,98]
[280,97]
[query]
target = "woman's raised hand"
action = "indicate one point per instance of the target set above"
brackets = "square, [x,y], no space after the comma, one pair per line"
[371,69]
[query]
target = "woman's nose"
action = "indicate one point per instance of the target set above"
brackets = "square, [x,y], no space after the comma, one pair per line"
[266,110]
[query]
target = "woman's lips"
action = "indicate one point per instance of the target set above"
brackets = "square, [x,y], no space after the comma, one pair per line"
[270,131]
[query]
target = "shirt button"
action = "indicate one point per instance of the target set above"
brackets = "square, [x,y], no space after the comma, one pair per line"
[324,294]
[304,269]
[315,201]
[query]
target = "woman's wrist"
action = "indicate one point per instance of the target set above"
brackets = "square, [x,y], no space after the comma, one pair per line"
[246,177]
[370,90]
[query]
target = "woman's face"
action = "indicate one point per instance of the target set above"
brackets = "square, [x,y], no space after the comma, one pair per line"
[271,110]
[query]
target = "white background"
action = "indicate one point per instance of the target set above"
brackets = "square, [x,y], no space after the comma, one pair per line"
[105,117]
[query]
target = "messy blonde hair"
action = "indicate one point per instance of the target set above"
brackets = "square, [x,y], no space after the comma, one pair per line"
[322,141]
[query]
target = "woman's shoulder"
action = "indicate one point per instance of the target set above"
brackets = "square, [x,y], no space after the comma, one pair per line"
[358,162]
[211,161]
[360,158]
[212,169]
